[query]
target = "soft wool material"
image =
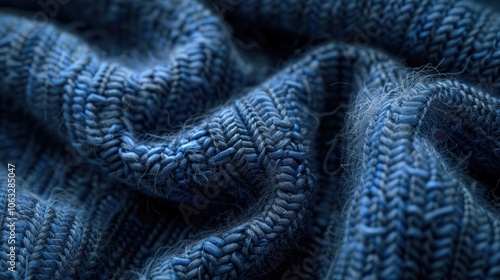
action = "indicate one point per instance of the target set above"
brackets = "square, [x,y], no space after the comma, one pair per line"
[251,139]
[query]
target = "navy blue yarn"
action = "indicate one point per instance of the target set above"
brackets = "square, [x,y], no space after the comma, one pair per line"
[323,157]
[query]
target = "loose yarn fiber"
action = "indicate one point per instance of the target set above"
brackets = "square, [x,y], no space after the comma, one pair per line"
[235,139]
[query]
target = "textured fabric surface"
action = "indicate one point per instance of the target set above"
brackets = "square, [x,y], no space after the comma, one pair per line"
[235,139]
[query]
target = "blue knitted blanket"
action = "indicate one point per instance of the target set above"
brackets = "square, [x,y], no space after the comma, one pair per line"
[238,139]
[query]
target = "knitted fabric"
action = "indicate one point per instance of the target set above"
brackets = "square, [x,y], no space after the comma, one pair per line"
[265,139]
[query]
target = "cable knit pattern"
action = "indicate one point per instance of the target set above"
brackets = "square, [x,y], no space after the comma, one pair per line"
[266,139]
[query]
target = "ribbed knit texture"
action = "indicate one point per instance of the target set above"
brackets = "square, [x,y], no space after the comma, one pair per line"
[265,139]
